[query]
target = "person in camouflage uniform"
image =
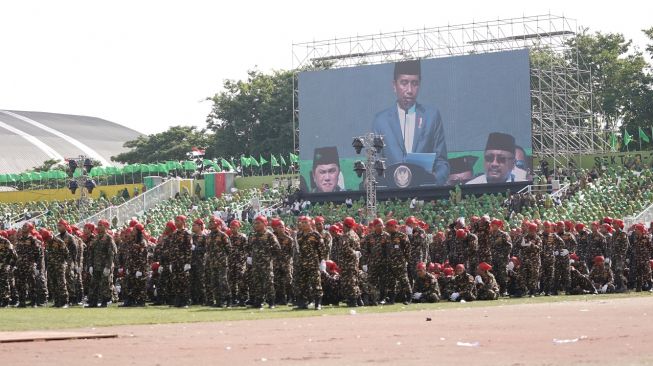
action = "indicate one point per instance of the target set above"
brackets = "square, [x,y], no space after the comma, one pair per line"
[326,237]
[79,266]
[419,246]
[30,279]
[330,281]
[101,264]
[180,258]
[7,262]
[582,239]
[602,276]
[561,253]
[426,288]
[516,281]
[446,282]
[283,262]
[64,234]
[163,291]
[483,234]
[197,263]
[397,250]
[238,264]
[136,267]
[464,249]
[57,255]
[438,249]
[619,249]
[642,248]
[531,246]
[463,285]
[218,247]
[501,245]
[310,264]
[262,246]
[566,232]
[579,282]
[349,252]
[487,287]
[336,237]
[596,244]
[88,237]
[374,261]
[550,242]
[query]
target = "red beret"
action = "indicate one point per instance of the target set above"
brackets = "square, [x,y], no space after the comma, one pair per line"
[607,220]
[377,221]
[334,230]
[45,234]
[170,226]
[319,219]
[235,223]
[63,222]
[199,222]
[574,256]
[155,266]
[262,219]
[104,223]
[547,224]
[431,267]
[133,223]
[460,266]
[483,266]
[349,222]
[448,271]
[181,218]
[461,233]
[411,220]
[4,234]
[421,266]
[139,227]
[300,219]
[618,223]
[599,259]
[580,226]
[277,222]
[640,227]
[89,226]
[392,223]
[532,227]
[497,222]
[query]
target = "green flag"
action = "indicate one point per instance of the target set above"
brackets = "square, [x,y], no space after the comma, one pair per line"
[294,158]
[253,161]
[282,160]
[262,160]
[244,162]
[189,165]
[642,135]
[226,165]
[273,161]
[627,137]
[613,142]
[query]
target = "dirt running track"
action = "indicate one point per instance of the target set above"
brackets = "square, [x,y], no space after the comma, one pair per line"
[608,332]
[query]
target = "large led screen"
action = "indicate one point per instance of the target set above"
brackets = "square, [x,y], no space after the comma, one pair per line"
[444,121]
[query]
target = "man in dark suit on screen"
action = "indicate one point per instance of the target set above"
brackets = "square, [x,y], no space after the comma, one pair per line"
[411,127]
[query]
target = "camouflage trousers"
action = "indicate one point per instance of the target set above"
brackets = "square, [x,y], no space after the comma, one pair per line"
[164,287]
[486,294]
[31,285]
[283,282]
[531,274]
[135,288]
[618,266]
[547,276]
[262,284]
[57,276]
[309,283]
[74,283]
[198,283]
[561,271]
[377,280]
[219,283]
[642,274]
[180,285]
[500,274]
[349,282]
[238,282]
[5,284]
[398,281]
[101,287]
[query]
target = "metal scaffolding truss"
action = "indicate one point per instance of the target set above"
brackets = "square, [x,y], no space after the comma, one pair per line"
[561,95]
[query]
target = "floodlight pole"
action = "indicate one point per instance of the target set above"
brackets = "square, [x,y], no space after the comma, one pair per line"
[370,175]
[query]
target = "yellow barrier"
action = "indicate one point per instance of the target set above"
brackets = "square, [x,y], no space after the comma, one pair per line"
[64,193]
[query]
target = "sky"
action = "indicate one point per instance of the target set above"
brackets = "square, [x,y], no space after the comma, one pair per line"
[150,65]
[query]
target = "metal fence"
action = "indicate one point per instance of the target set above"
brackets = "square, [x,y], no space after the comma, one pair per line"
[138,204]
[645,217]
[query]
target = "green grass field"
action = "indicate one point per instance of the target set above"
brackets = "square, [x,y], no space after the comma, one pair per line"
[77,317]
